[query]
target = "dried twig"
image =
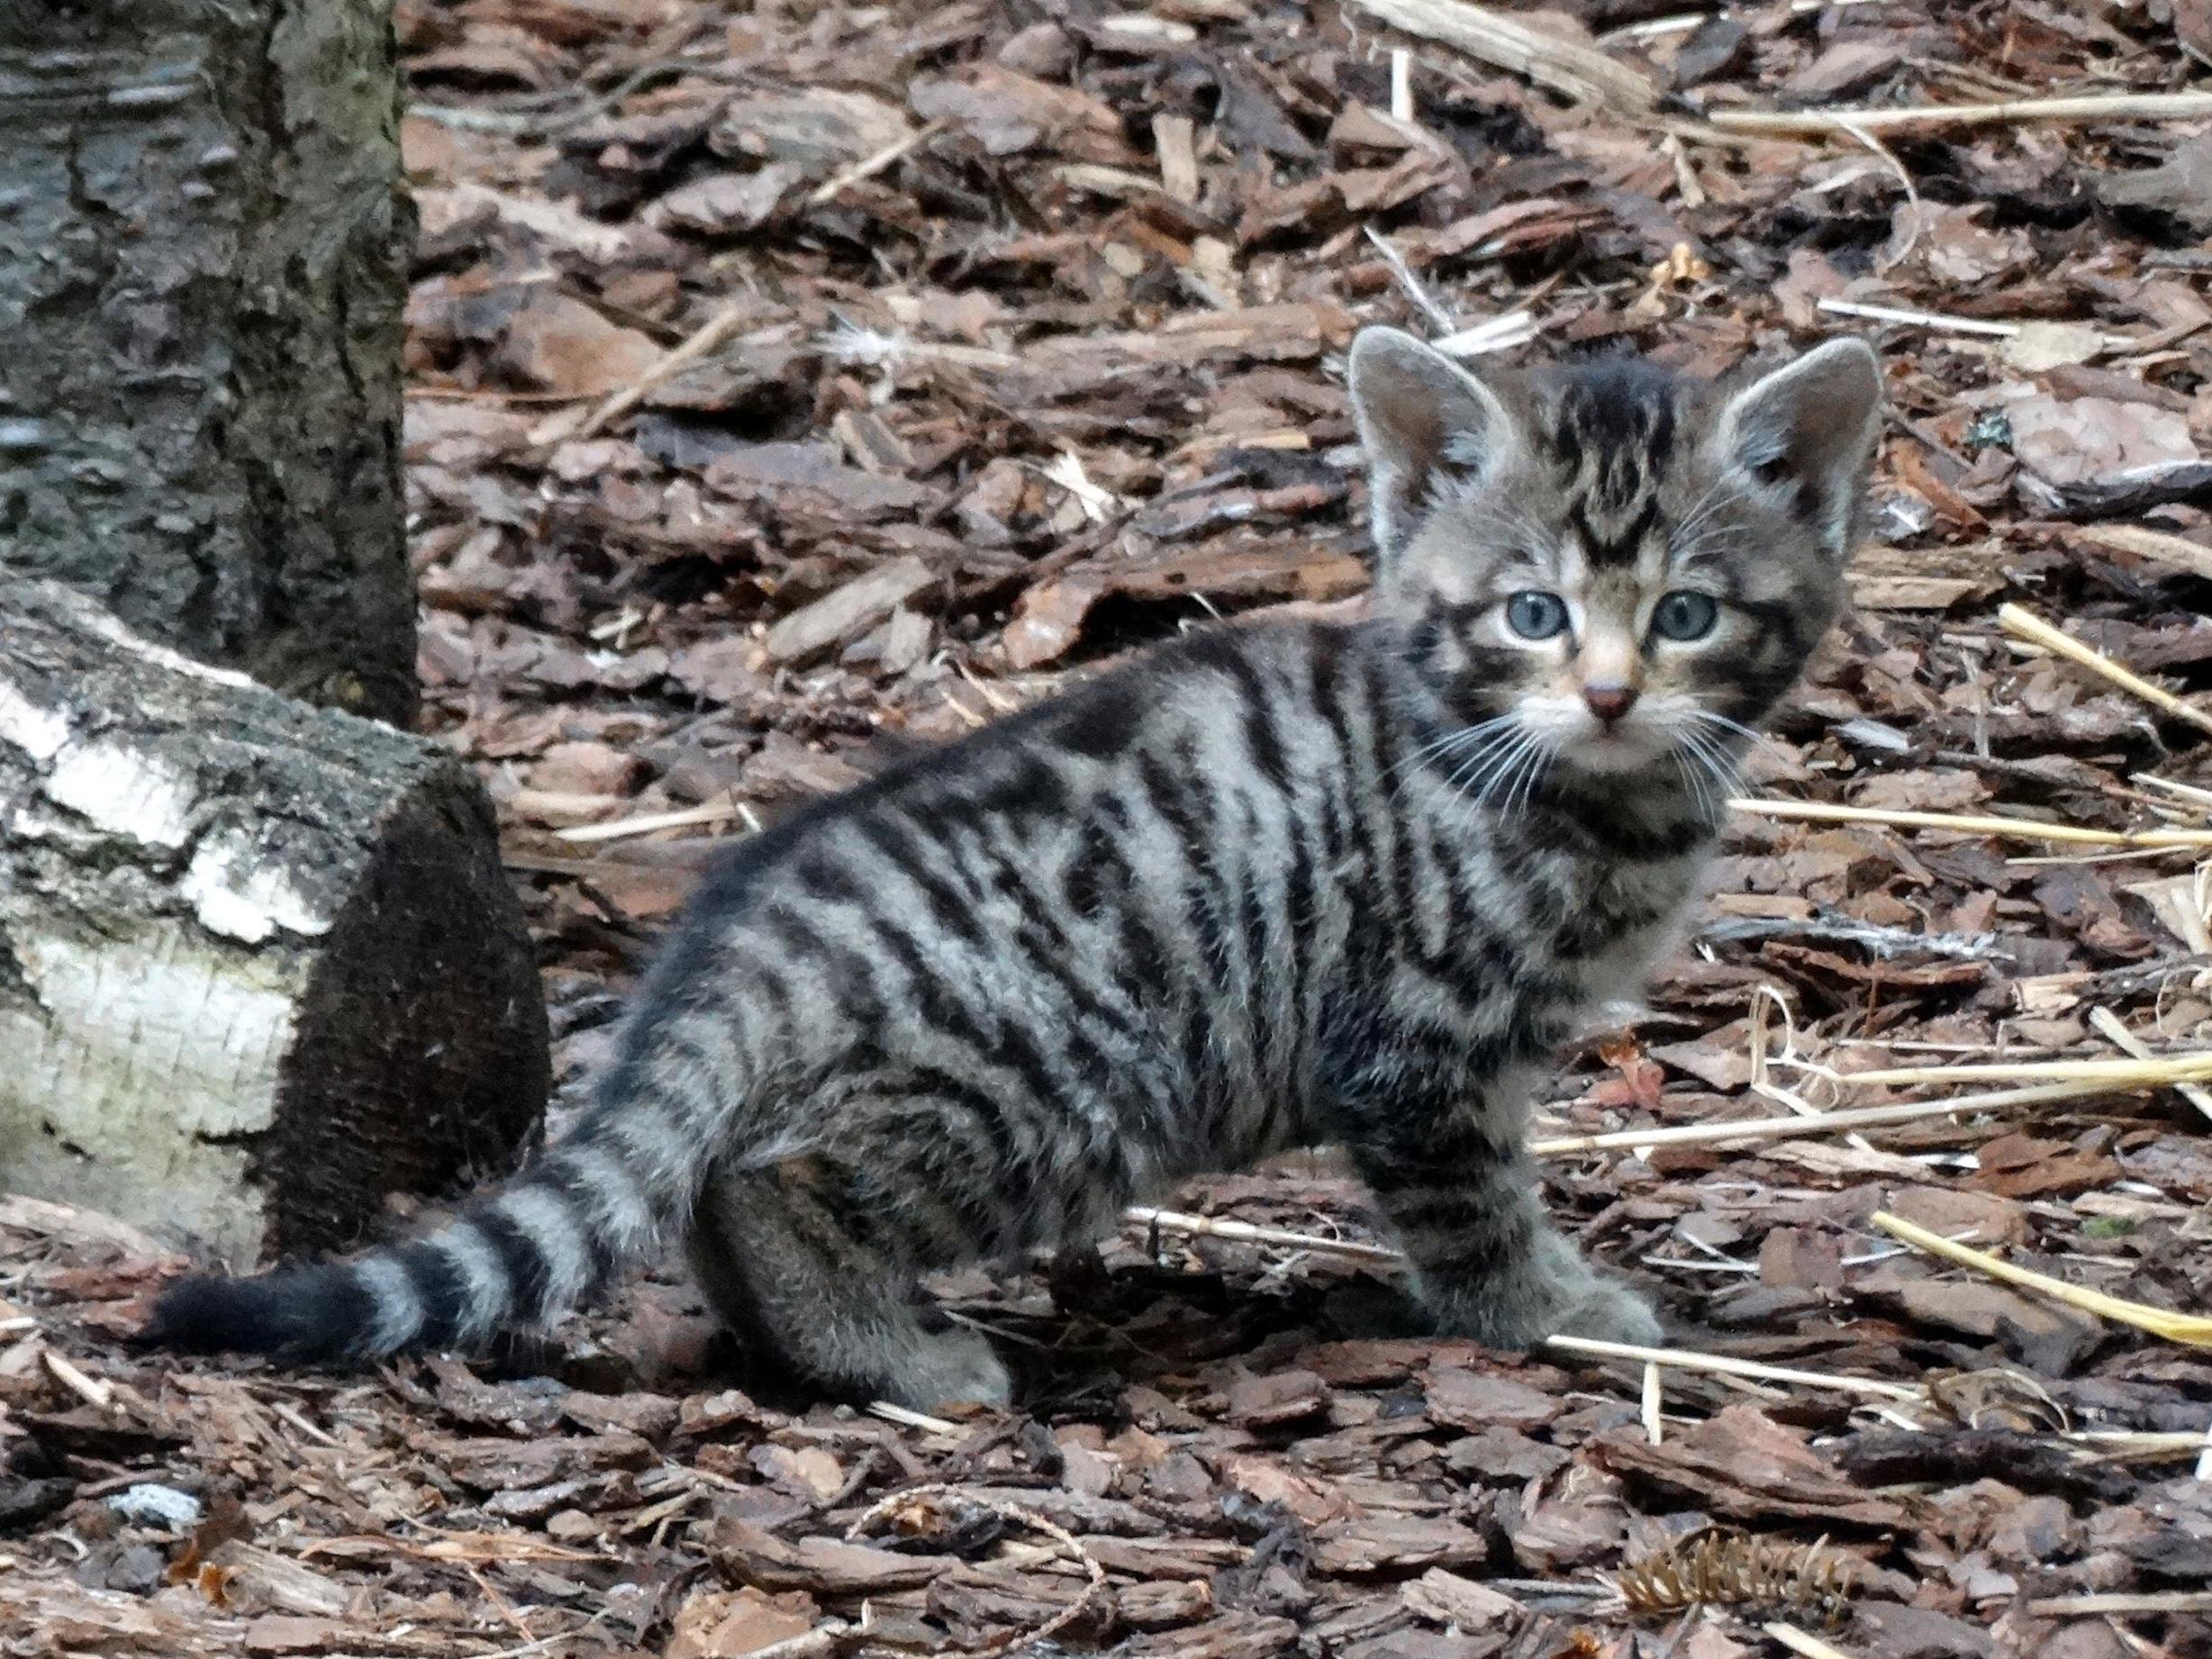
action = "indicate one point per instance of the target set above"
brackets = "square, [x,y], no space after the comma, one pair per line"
[2120,106]
[2152,1445]
[1802,1642]
[1727,1365]
[2157,544]
[869,167]
[824,1638]
[1582,72]
[2121,1603]
[1914,218]
[912,1504]
[1682,23]
[907,1419]
[94,1392]
[1501,333]
[1795,1127]
[2026,625]
[709,336]
[1917,319]
[2108,1023]
[288,1412]
[1415,289]
[1882,941]
[2193,1329]
[2149,1072]
[2196,796]
[1243,1232]
[540,1644]
[720,811]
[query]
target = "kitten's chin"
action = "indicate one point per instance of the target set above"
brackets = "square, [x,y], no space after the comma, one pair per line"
[1615,756]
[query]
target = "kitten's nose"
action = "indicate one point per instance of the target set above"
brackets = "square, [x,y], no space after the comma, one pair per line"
[1608,699]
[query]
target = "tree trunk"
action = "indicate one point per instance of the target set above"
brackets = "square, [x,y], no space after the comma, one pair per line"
[204,244]
[258,963]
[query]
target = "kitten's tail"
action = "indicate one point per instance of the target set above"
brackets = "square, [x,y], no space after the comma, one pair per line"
[599,1202]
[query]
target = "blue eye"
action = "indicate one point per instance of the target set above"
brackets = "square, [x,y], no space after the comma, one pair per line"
[1684,615]
[1535,615]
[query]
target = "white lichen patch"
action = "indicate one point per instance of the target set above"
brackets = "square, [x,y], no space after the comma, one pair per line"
[39,732]
[238,891]
[123,791]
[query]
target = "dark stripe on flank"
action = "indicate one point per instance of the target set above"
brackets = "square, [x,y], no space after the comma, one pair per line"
[950,908]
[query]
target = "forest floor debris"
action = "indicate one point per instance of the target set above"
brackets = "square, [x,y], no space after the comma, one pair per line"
[794,385]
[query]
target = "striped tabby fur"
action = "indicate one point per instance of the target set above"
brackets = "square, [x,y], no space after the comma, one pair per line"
[1280,883]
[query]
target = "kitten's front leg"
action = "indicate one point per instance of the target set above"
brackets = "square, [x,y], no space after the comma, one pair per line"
[1461,1193]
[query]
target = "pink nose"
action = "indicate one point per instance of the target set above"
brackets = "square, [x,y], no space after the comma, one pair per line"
[1610,703]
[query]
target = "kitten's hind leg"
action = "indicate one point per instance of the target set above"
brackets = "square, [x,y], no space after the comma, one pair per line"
[791,1264]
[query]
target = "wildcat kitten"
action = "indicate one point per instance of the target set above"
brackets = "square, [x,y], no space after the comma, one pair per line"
[1277,884]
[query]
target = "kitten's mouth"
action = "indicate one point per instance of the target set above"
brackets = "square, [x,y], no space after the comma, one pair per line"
[1614,751]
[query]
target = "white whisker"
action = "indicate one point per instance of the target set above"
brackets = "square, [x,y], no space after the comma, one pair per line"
[1451,742]
[1691,782]
[1717,766]
[1490,778]
[1537,763]
[1714,717]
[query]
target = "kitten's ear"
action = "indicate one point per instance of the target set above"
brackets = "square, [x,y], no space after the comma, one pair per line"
[1808,429]
[1422,418]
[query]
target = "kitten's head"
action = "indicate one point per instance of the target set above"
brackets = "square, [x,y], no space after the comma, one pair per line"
[1613,566]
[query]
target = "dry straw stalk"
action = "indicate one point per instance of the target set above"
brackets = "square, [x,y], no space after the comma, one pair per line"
[1962,823]
[2124,106]
[2108,1024]
[1796,1128]
[1725,1365]
[1580,71]
[2193,1329]
[2026,625]
[2151,544]
[2149,1071]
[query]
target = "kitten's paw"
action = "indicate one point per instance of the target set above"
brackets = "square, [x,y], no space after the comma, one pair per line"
[1607,1312]
[953,1369]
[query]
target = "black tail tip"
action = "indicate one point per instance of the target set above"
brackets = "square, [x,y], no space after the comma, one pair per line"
[296,1314]
[208,1314]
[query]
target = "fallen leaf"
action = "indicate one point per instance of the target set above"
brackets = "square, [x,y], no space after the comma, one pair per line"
[725,1624]
[2096,439]
[559,344]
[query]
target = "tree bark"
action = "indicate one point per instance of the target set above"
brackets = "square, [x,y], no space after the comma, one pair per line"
[204,242]
[258,963]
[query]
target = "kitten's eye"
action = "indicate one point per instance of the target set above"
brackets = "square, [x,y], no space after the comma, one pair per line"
[1685,615]
[1535,615]
[1771,471]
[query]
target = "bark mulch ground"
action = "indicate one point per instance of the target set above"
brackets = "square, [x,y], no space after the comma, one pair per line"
[795,385]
